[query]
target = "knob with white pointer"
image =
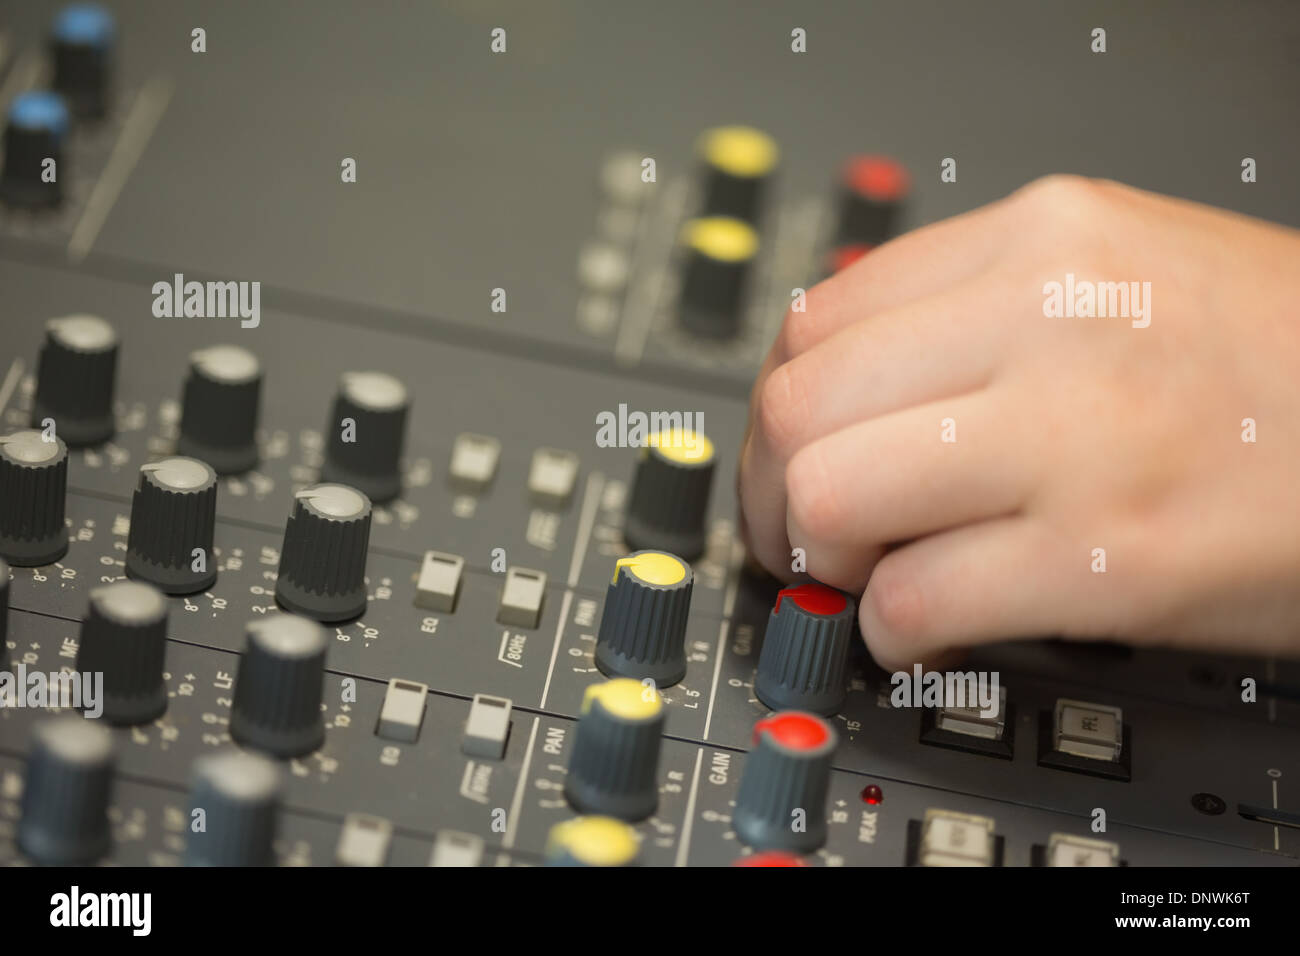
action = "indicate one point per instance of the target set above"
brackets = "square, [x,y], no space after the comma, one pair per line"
[781,804]
[804,661]
[33,493]
[366,433]
[219,408]
[279,687]
[323,559]
[124,638]
[76,375]
[173,517]
[65,795]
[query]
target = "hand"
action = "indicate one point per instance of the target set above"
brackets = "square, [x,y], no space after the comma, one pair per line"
[928,436]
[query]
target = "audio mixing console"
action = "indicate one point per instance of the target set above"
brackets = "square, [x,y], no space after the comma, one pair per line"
[330,333]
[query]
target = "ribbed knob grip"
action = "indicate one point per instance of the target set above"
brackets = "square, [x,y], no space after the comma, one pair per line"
[669,501]
[367,454]
[75,379]
[323,558]
[4,614]
[239,796]
[124,638]
[33,492]
[781,804]
[279,686]
[65,796]
[173,515]
[643,627]
[804,661]
[219,408]
[616,751]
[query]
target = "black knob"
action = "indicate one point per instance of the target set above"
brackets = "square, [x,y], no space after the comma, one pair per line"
[873,190]
[805,655]
[234,802]
[366,433]
[643,627]
[124,637]
[323,559]
[616,751]
[173,514]
[81,46]
[4,615]
[670,494]
[219,408]
[36,131]
[279,687]
[33,493]
[75,377]
[719,257]
[738,162]
[782,800]
[65,796]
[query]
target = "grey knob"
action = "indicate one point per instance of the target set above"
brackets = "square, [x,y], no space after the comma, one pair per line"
[366,453]
[234,802]
[781,804]
[75,378]
[279,687]
[643,627]
[65,796]
[323,559]
[615,756]
[804,661]
[219,408]
[4,614]
[124,638]
[33,493]
[173,516]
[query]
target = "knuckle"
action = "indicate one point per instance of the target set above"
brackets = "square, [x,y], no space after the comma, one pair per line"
[894,603]
[800,329]
[782,409]
[813,502]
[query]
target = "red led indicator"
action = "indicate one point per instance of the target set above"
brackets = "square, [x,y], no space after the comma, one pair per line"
[872,794]
[813,598]
[794,730]
[877,177]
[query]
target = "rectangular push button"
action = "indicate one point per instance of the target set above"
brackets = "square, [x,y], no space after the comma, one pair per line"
[1093,731]
[972,722]
[456,849]
[1065,849]
[487,728]
[403,711]
[955,839]
[364,841]
[552,477]
[474,461]
[439,581]
[521,598]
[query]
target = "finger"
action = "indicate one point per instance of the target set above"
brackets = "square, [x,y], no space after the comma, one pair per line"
[915,472]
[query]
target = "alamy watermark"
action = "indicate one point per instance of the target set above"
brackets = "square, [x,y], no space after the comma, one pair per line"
[1083,298]
[948,689]
[637,429]
[208,300]
[83,690]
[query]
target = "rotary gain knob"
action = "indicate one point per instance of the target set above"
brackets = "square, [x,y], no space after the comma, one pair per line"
[643,628]
[279,687]
[806,650]
[670,494]
[219,408]
[782,800]
[124,637]
[75,377]
[65,796]
[173,514]
[591,841]
[36,131]
[33,492]
[616,751]
[238,794]
[323,558]
[367,430]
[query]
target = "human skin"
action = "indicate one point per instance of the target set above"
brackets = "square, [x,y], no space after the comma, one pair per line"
[1072,434]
